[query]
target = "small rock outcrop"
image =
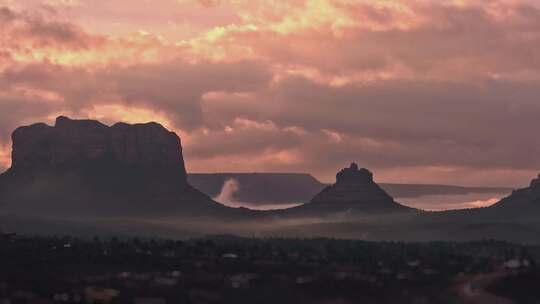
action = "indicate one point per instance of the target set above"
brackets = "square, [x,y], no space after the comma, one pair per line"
[534,187]
[523,202]
[72,142]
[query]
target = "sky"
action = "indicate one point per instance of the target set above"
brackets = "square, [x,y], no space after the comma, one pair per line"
[417,91]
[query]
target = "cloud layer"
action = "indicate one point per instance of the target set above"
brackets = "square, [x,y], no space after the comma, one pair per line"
[419,91]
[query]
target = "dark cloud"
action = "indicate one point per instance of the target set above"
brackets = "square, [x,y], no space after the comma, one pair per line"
[6,15]
[28,30]
[382,125]
[457,92]
[175,87]
[17,111]
[401,123]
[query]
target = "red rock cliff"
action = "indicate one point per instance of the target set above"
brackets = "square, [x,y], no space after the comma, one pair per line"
[70,142]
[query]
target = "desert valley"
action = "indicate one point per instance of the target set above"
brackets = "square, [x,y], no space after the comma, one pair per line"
[126,179]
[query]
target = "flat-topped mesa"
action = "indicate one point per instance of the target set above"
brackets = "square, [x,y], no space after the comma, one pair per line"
[85,168]
[74,142]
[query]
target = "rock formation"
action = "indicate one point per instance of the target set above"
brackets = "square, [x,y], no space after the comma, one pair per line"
[354,191]
[83,167]
[522,202]
[264,188]
[534,188]
[70,143]
[353,185]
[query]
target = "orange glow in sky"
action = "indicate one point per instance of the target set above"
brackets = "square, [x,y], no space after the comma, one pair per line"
[403,87]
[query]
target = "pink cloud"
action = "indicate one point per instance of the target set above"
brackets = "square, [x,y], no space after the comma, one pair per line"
[406,88]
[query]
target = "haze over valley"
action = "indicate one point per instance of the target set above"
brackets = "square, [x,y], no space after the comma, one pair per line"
[269,151]
[90,178]
[281,190]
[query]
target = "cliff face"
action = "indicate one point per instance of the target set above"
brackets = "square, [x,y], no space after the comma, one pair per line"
[534,188]
[70,143]
[83,167]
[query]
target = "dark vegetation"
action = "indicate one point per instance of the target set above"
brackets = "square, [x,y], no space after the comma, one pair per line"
[521,287]
[241,270]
